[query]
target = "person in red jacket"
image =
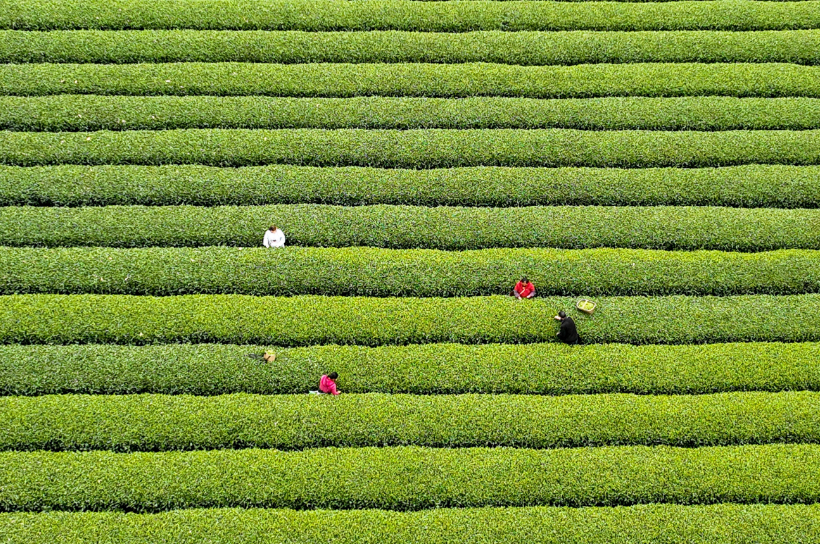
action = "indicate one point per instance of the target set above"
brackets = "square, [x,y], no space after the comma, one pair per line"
[327,384]
[524,289]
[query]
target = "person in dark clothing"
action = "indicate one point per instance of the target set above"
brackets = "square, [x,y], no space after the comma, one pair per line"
[567,334]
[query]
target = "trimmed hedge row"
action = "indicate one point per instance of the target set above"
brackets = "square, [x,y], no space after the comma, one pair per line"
[776,186]
[523,48]
[400,273]
[408,478]
[163,423]
[310,320]
[413,16]
[433,80]
[547,369]
[416,149]
[91,112]
[211,369]
[672,524]
[399,227]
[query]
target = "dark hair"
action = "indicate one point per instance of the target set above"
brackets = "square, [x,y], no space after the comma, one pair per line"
[524,279]
[333,375]
[273,227]
[562,314]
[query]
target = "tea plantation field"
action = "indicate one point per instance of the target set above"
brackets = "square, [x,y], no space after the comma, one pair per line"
[661,158]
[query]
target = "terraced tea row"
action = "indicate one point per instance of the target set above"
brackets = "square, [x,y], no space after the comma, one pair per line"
[91,112]
[408,478]
[310,320]
[286,422]
[549,369]
[416,79]
[735,229]
[524,48]
[413,148]
[397,273]
[404,15]
[776,186]
[675,524]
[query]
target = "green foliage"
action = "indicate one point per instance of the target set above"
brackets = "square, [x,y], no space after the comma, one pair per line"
[523,48]
[309,320]
[395,273]
[413,79]
[668,523]
[543,118]
[743,186]
[93,112]
[402,15]
[546,369]
[401,227]
[286,422]
[413,148]
[408,478]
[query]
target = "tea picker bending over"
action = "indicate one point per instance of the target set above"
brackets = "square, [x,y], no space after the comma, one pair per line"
[523,289]
[567,334]
[274,237]
[327,384]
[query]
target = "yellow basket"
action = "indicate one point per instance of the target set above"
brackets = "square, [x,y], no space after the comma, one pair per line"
[585,305]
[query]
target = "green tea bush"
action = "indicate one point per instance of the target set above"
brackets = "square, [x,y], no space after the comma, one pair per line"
[548,369]
[753,185]
[523,48]
[413,79]
[400,227]
[286,422]
[68,113]
[670,523]
[413,16]
[416,149]
[310,320]
[397,273]
[408,478]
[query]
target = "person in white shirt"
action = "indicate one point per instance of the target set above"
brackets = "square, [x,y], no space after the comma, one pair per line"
[274,237]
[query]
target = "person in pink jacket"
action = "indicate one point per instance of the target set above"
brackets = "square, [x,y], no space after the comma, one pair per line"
[327,384]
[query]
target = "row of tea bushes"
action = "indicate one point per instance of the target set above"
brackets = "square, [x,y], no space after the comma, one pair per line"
[311,320]
[413,79]
[401,227]
[67,113]
[408,15]
[522,48]
[669,523]
[287,422]
[415,149]
[398,273]
[424,369]
[408,478]
[777,186]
